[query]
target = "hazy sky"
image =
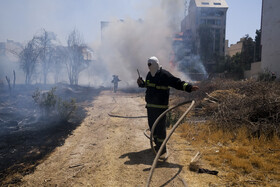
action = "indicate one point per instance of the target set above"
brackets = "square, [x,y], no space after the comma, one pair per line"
[21,19]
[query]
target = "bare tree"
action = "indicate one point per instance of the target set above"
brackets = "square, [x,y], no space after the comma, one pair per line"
[14,84]
[46,47]
[28,58]
[77,62]
[8,81]
[60,57]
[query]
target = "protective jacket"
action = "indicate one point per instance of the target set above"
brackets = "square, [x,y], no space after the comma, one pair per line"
[158,87]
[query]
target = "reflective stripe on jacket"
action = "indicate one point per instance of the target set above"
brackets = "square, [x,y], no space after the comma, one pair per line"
[157,93]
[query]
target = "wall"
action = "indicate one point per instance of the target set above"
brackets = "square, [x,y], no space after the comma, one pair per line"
[254,72]
[235,48]
[271,36]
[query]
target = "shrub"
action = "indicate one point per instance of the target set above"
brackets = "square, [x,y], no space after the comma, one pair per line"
[53,106]
[266,76]
[65,108]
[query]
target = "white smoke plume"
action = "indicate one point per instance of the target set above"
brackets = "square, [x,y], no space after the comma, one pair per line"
[127,44]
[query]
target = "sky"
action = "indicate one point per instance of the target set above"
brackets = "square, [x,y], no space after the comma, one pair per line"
[125,47]
[21,19]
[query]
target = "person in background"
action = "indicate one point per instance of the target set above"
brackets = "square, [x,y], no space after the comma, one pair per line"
[158,81]
[273,76]
[115,81]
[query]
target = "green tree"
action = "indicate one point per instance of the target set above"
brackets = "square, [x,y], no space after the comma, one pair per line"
[236,67]
[238,63]
[247,53]
[258,50]
[220,63]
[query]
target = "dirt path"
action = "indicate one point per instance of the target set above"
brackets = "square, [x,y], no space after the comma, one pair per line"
[107,151]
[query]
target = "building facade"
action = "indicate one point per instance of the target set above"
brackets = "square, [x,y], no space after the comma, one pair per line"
[270,38]
[235,48]
[210,14]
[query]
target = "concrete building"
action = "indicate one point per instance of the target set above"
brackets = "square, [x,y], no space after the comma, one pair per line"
[235,48]
[211,13]
[270,38]
[270,41]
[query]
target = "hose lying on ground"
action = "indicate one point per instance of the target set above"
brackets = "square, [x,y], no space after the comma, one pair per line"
[119,116]
[145,133]
[159,118]
[167,138]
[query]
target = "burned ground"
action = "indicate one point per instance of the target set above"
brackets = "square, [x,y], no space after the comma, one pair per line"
[26,137]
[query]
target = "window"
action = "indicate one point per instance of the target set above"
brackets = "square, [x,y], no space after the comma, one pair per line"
[203,21]
[217,45]
[204,3]
[217,31]
[203,13]
[216,3]
[219,13]
[211,22]
[218,22]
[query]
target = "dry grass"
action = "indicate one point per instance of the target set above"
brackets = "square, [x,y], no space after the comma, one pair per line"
[241,139]
[235,104]
[240,159]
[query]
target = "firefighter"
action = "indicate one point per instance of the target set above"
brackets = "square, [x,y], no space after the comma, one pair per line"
[273,76]
[158,81]
[115,81]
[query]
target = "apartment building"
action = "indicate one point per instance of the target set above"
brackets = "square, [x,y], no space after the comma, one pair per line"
[210,13]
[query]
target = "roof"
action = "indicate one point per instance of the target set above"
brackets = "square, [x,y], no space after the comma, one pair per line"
[211,3]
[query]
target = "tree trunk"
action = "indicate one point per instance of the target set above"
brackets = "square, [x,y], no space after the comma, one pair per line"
[14,79]
[45,78]
[8,80]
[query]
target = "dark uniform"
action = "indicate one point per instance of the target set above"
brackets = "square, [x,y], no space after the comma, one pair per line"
[115,81]
[157,98]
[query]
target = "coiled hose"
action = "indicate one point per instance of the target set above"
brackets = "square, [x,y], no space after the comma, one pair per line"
[168,136]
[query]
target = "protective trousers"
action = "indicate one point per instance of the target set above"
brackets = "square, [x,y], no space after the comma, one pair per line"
[160,130]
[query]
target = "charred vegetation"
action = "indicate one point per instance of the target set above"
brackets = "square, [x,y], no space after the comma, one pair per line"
[27,134]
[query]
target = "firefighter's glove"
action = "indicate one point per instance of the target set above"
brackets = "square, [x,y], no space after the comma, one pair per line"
[195,88]
[140,82]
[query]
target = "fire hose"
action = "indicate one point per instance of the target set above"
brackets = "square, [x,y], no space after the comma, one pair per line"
[168,136]
[153,129]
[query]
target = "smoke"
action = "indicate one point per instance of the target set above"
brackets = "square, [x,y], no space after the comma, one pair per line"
[127,44]
[9,64]
[193,67]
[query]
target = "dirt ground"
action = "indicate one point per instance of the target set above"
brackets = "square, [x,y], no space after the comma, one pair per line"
[111,151]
